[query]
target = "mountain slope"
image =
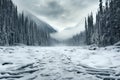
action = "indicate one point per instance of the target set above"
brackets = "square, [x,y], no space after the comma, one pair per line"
[41,24]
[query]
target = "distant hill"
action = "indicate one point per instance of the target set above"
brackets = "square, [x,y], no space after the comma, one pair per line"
[41,24]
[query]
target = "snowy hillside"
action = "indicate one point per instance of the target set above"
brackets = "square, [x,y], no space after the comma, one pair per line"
[41,24]
[59,63]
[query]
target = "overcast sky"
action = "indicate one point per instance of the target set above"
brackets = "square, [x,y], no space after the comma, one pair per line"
[60,13]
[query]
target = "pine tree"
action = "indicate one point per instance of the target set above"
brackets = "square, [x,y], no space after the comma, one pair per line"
[107,26]
[101,6]
[17,28]
[86,31]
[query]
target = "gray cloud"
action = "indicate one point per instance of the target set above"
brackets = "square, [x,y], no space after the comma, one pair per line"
[68,11]
[60,13]
[51,9]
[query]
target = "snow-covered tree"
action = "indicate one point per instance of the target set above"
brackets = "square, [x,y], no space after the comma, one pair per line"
[17,28]
[107,26]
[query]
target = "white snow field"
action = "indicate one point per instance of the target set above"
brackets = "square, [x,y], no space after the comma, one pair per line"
[59,63]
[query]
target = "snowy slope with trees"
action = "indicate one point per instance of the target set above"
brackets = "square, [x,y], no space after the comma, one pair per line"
[17,28]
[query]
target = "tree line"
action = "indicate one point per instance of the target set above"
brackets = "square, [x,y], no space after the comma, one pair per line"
[106,29]
[76,40]
[16,28]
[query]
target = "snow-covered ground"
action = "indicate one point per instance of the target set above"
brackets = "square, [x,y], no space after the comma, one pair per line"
[59,63]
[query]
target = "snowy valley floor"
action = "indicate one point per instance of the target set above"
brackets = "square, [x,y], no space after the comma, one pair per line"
[59,63]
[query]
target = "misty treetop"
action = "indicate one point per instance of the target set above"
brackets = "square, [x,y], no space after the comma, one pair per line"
[106,30]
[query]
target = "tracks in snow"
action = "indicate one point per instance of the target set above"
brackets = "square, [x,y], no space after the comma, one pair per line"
[56,66]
